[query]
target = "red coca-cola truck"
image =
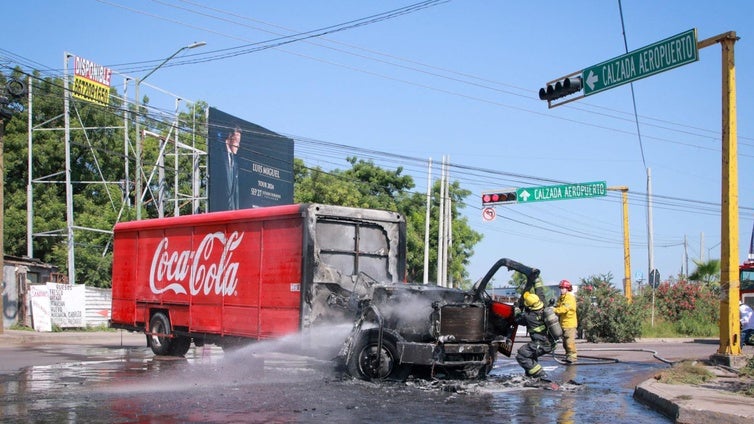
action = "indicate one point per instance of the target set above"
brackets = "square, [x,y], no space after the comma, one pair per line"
[253,274]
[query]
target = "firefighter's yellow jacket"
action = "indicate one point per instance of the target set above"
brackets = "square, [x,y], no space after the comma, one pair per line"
[566,310]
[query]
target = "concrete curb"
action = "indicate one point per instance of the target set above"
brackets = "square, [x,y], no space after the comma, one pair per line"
[691,404]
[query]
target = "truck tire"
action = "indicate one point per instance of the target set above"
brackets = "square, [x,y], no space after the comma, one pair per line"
[159,340]
[366,363]
[179,345]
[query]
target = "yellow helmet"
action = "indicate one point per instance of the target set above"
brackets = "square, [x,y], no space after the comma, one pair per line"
[532,301]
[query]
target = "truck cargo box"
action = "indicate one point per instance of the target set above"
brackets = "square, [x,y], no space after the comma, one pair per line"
[253,273]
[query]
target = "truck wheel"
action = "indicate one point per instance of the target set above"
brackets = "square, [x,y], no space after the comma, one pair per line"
[179,345]
[368,362]
[159,340]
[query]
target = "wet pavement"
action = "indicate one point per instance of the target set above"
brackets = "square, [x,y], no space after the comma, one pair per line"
[98,380]
[113,377]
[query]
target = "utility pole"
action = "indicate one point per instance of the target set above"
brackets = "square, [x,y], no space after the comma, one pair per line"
[16,89]
[2,217]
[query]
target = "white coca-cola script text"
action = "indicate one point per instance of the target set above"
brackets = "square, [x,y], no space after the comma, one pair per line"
[172,271]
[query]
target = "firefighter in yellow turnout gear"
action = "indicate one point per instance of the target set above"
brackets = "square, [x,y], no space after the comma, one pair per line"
[565,308]
[541,342]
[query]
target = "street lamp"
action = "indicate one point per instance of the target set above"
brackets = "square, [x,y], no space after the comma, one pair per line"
[138,129]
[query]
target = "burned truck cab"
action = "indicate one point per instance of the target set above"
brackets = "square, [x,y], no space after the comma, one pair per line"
[432,331]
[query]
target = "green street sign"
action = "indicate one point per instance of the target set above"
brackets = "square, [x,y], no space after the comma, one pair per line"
[561,192]
[661,56]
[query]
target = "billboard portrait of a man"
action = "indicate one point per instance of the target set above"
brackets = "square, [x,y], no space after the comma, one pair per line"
[230,168]
[249,166]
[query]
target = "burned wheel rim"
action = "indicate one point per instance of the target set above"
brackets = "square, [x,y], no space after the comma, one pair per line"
[376,363]
[369,361]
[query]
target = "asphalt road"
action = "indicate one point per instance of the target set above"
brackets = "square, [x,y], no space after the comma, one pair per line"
[113,377]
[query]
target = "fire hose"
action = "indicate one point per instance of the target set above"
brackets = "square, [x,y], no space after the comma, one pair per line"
[596,360]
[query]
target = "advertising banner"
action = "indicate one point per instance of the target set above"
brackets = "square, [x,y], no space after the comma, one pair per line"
[249,166]
[40,307]
[91,82]
[67,304]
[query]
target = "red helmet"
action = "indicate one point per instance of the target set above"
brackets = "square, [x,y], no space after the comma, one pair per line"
[565,284]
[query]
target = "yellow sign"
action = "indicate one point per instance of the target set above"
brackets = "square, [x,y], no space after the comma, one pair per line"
[91,82]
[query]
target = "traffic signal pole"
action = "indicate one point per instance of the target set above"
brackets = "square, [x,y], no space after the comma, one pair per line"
[626,243]
[730,331]
[593,80]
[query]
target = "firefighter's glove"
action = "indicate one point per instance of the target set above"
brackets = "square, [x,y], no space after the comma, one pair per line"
[551,302]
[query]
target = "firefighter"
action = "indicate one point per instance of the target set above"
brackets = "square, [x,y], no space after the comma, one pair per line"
[565,308]
[747,323]
[541,342]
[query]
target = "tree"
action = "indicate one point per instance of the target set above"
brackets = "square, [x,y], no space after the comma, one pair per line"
[97,176]
[100,191]
[708,273]
[464,238]
[96,155]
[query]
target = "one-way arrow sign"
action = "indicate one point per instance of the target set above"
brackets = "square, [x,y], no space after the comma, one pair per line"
[592,79]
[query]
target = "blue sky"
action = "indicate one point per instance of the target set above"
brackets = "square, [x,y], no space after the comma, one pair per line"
[458,78]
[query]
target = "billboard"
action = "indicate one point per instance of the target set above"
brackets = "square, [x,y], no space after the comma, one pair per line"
[91,82]
[249,166]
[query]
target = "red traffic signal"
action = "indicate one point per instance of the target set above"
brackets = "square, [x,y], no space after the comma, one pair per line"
[497,197]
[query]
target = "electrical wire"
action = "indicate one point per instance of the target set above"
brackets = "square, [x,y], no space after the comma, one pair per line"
[335,155]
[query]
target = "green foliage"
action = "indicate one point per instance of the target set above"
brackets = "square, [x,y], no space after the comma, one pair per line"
[689,308]
[680,309]
[685,372]
[604,314]
[659,329]
[97,160]
[707,273]
[748,369]
[20,327]
[695,324]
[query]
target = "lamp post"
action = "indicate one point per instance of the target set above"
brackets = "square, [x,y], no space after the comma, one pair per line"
[137,126]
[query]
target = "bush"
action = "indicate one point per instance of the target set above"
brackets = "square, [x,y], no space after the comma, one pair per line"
[683,298]
[658,329]
[604,314]
[690,309]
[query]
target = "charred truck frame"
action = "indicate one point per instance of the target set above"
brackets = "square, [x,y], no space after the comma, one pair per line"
[254,274]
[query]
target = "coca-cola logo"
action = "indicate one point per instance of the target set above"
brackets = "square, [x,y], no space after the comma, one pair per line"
[203,270]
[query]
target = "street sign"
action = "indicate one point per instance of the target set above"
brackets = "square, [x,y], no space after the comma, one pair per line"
[654,278]
[561,192]
[661,56]
[488,214]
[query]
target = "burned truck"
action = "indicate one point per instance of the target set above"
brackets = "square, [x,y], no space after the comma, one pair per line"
[431,331]
[241,276]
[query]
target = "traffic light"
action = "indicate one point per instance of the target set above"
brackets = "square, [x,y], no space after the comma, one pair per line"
[498,197]
[16,88]
[11,103]
[562,88]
